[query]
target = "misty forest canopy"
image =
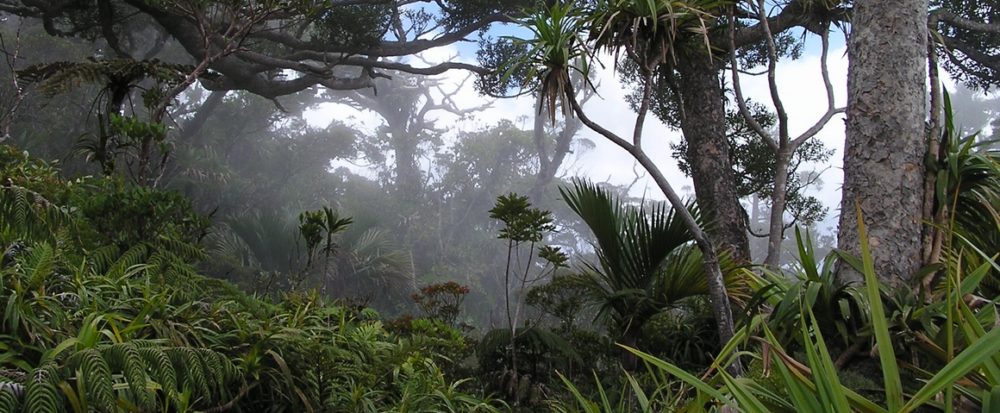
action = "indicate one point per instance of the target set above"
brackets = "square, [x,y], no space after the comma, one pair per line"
[179,233]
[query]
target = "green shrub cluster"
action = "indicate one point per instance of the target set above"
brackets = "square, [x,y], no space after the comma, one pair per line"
[103,311]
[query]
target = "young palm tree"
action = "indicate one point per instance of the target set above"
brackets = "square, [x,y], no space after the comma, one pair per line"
[647,261]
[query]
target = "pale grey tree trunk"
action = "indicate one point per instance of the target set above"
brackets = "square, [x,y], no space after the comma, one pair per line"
[886,141]
[779,198]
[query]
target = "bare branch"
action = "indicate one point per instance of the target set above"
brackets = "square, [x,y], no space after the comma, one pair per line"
[10,58]
[647,93]
[738,89]
[946,16]
[952,44]
[384,49]
[772,82]
[831,108]
[800,13]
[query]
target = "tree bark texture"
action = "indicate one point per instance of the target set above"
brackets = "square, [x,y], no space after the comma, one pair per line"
[886,140]
[703,122]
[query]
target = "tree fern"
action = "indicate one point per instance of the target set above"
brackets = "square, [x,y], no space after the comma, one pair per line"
[102,258]
[193,374]
[131,258]
[27,216]
[38,264]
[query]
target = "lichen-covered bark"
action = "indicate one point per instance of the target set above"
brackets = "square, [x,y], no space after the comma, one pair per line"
[703,122]
[886,141]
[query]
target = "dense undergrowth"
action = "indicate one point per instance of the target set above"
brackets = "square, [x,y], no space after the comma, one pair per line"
[104,311]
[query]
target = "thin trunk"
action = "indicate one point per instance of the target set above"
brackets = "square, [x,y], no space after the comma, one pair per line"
[630,337]
[776,231]
[703,122]
[754,212]
[145,156]
[886,140]
[932,237]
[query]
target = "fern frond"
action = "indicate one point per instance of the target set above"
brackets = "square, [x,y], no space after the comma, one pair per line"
[10,396]
[42,395]
[193,377]
[39,263]
[160,366]
[133,257]
[125,357]
[59,77]
[97,377]
[102,258]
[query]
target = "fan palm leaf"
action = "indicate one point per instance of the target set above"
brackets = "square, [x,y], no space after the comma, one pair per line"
[646,258]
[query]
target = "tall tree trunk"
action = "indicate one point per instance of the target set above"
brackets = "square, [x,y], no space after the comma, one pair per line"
[703,122]
[886,140]
[549,163]
[408,176]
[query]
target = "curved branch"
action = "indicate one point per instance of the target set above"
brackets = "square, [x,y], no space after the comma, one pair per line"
[738,90]
[384,49]
[831,108]
[795,13]
[942,15]
[952,43]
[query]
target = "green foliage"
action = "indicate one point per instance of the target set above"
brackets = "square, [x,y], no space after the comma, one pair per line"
[522,223]
[652,31]
[563,298]
[685,336]
[271,251]
[975,71]
[89,328]
[121,138]
[539,353]
[840,307]
[815,385]
[967,196]
[753,161]
[545,61]
[355,27]
[646,261]
[125,215]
